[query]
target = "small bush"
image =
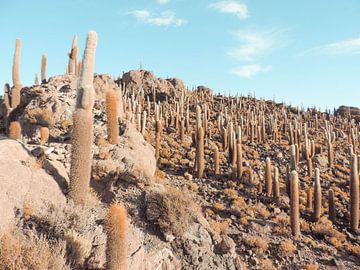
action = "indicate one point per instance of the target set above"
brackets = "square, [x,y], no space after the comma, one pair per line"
[256,243]
[287,247]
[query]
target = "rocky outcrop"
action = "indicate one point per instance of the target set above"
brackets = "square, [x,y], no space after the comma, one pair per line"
[346,111]
[136,79]
[23,183]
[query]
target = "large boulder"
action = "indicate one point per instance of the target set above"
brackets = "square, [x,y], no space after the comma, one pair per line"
[23,183]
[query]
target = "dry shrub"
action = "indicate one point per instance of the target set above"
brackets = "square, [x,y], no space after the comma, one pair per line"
[239,202]
[244,221]
[261,211]
[193,187]
[78,248]
[311,266]
[324,228]
[165,153]
[231,193]
[282,226]
[220,227]
[178,211]
[218,206]
[209,212]
[267,264]
[256,243]
[18,251]
[287,247]
[353,249]
[66,124]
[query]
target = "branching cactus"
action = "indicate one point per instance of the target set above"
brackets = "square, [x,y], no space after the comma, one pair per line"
[200,160]
[294,204]
[354,195]
[268,180]
[116,225]
[82,134]
[15,93]
[43,68]
[112,116]
[15,130]
[317,197]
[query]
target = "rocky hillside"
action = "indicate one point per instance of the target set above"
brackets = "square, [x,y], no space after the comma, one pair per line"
[179,179]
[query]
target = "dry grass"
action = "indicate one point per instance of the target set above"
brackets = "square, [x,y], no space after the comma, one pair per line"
[231,193]
[353,249]
[258,244]
[261,211]
[220,227]
[267,264]
[18,251]
[218,206]
[311,266]
[193,187]
[287,247]
[324,228]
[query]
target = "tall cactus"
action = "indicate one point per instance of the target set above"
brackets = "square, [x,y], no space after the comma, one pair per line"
[354,194]
[317,197]
[112,116]
[200,160]
[294,204]
[158,128]
[216,160]
[239,161]
[82,134]
[15,93]
[14,130]
[331,202]
[276,184]
[43,68]
[73,56]
[116,244]
[268,180]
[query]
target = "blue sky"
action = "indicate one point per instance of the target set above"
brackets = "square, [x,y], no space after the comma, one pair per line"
[303,52]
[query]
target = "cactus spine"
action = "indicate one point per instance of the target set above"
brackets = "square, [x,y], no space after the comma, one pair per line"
[294,204]
[112,116]
[317,197]
[354,194]
[116,231]
[82,135]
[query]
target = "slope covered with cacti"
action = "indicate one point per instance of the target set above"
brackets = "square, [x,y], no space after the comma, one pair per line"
[158,176]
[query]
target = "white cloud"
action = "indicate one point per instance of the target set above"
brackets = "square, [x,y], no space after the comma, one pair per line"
[348,46]
[162,2]
[165,18]
[250,71]
[255,44]
[232,7]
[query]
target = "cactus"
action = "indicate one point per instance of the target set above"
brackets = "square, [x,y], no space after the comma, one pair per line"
[36,82]
[116,225]
[44,135]
[73,56]
[43,68]
[158,128]
[354,195]
[15,93]
[309,198]
[143,123]
[7,101]
[239,161]
[331,202]
[200,161]
[82,134]
[112,116]
[182,130]
[216,160]
[276,184]
[317,195]
[14,130]
[294,204]
[293,166]
[268,180]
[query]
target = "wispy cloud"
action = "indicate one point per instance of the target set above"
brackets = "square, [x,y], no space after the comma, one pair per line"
[254,44]
[162,2]
[348,46]
[232,7]
[166,18]
[249,71]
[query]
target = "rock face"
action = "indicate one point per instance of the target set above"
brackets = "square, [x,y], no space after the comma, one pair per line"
[23,183]
[136,79]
